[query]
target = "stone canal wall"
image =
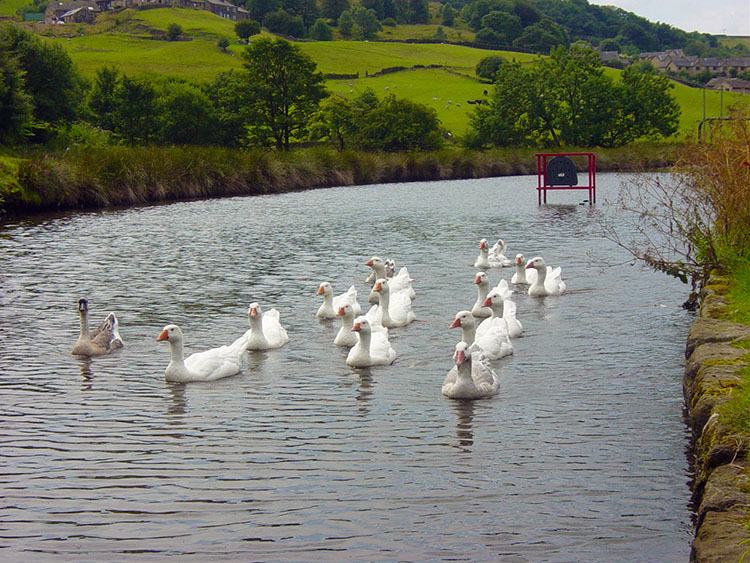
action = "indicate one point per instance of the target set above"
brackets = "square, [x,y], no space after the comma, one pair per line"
[721,491]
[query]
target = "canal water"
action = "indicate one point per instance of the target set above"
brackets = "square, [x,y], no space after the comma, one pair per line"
[580,457]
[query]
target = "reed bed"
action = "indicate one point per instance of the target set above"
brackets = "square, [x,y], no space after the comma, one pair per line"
[83,178]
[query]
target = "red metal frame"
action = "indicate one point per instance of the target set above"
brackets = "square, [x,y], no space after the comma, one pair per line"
[541,169]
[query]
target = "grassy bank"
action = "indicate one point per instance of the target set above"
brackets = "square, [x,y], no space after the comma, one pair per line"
[114,176]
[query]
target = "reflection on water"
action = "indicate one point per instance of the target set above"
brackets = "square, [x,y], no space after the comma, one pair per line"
[580,457]
[464,425]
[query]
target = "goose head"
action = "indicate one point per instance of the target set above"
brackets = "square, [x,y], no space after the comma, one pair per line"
[483,244]
[345,311]
[464,319]
[83,305]
[460,355]
[519,259]
[325,288]
[381,286]
[494,300]
[170,333]
[537,263]
[481,279]
[375,262]
[254,313]
[362,325]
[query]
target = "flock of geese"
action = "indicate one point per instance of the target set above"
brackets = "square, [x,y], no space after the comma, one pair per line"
[486,329]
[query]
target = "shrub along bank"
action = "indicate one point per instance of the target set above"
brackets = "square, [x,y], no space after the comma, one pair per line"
[114,176]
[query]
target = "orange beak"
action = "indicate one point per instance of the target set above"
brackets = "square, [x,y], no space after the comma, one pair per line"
[455,324]
[340,312]
[482,244]
[163,336]
[356,327]
[321,291]
[369,262]
[478,279]
[529,266]
[378,287]
[253,312]
[518,260]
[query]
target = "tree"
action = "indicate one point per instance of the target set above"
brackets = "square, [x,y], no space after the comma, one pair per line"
[136,116]
[542,37]
[186,115]
[418,12]
[367,22]
[332,9]
[224,94]
[505,25]
[283,23]
[223,43]
[246,29]
[345,23]
[102,98]
[566,99]
[320,31]
[15,104]
[487,67]
[280,90]
[50,77]
[448,15]
[398,124]
[259,8]
[334,121]
[174,30]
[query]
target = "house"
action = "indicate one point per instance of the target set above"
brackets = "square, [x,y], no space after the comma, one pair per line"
[56,10]
[729,84]
[612,56]
[222,8]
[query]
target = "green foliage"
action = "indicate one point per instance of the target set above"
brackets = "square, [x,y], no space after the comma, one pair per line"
[135,117]
[15,104]
[738,296]
[186,115]
[332,9]
[487,67]
[448,15]
[320,31]
[368,123]
[103,101]
[567,100]
[279,90]
[222,44]
[366,23]
[174,30]
[542,37]
[346,23]
[246,29]
[259,8]
[283,23]
[50,77]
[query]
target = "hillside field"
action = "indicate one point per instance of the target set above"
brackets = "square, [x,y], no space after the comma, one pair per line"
[133,42]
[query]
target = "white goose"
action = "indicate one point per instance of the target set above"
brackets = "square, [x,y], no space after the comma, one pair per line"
[485,258]
[210,365]
[331,304]
[346,336]
[497,254]
[493,341]
[399,283]
[394,307]
[482,282]
[548,281]
[470,378]
[102,340]
[503,307]
[522,275]
[372,348]
[265,331]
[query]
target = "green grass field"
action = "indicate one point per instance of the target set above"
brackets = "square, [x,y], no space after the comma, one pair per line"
[9,7]
[127,40]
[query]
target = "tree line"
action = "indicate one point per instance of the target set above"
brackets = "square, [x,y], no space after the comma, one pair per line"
[278,99]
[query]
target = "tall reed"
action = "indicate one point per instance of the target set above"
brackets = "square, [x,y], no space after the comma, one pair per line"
[106,176]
